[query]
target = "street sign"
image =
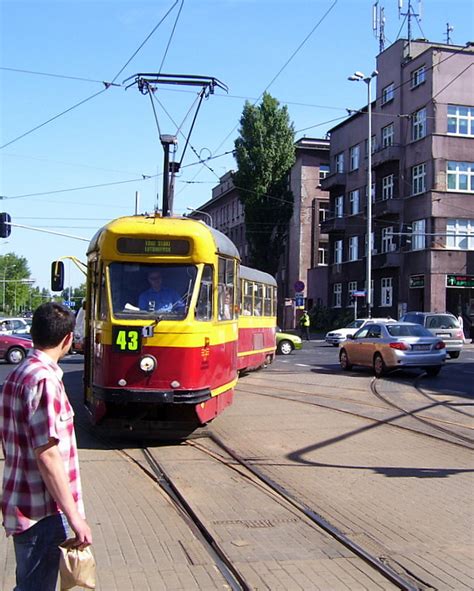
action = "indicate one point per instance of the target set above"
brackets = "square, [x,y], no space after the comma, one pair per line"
[358,293]
[299,301]
[416,281]
[299,286]
[460,281]
[69,303]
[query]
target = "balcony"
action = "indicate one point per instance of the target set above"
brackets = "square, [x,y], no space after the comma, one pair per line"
[385,260]
[333,181]
[387,208]
[333,225]
[386,155]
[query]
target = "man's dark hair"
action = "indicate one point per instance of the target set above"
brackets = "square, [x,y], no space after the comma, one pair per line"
[51,323]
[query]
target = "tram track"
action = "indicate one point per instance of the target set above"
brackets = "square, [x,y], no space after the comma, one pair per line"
[294,394]
[228,458]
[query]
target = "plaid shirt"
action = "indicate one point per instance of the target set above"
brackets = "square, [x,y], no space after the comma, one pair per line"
[34,407]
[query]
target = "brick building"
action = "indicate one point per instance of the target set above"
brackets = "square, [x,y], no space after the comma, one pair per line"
[305,257]
[422,185]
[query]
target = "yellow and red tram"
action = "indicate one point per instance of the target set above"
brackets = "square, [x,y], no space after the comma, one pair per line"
[169,367]
[257,319]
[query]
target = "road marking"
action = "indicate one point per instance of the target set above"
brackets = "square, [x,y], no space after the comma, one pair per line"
[302,365]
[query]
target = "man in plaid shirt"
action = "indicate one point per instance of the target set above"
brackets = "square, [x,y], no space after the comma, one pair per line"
[41,481]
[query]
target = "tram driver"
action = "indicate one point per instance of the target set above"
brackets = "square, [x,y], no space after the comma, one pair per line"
[159,298]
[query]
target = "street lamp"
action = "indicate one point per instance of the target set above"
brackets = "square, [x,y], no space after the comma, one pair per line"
[203,212]
[358,77]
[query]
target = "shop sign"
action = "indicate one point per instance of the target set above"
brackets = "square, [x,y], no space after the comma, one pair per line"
[460,281]
[417,281]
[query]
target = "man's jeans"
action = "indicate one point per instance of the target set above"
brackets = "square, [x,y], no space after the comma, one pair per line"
[37,554]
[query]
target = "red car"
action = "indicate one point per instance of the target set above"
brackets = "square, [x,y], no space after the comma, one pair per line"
[14,348]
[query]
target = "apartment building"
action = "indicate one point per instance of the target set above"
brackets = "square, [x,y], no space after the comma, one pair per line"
[306,251]
[422,186]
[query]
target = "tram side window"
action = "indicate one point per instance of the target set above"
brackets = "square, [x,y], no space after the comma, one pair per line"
[204,302]
[258,300]
[267,300]
[225,289]
[247,293]
[102,307]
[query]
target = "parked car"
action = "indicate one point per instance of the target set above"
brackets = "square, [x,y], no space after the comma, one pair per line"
[335,337]
[286,342]
[443,325]
[14,325]
[387,346]
[13,348]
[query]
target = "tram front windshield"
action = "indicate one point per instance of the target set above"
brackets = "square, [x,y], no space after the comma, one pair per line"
[142,290]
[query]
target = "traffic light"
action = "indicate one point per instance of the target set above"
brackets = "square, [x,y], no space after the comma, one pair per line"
[5,225]
[57,276]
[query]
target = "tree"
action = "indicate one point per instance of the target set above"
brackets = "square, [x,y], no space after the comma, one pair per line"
[15,278]
[265,153]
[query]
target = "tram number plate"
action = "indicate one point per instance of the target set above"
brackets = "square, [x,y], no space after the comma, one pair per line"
[126,339]
[421,347]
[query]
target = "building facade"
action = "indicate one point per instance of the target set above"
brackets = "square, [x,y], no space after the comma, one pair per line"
[306,251]
[422,186]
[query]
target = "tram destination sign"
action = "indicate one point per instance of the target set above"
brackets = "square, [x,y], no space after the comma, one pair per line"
[459,280]
[153,246]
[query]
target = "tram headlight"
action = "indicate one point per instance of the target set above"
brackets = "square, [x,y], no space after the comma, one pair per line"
[148,364]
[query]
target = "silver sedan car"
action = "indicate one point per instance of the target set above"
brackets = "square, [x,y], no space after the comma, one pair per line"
[385,347]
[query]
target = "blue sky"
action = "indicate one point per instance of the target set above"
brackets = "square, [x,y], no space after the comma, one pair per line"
[112,137]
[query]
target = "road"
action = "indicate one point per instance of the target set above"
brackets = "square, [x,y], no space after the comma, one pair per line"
[320,433]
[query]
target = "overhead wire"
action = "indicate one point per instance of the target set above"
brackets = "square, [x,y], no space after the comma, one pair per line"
[106,84]
[145,41]
[59,76]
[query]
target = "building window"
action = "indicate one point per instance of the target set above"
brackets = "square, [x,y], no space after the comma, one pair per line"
[351,288]
[418,124]
[460,234]
[354,157]
[323,255]
[418,76]
[386,292]
[354,201]
[418,237]
[387,187]
[337,252]
[323,213]
[372,244]
[418,179]
[323,171]
[461,120]
[337,292]
[387,239]
[372,192]
[460,176]
[353,248]
[388,93]
[339,206]
[339,162]
[387,135]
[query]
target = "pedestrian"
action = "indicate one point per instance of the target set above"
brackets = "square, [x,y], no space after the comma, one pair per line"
[41,482]
[304,325]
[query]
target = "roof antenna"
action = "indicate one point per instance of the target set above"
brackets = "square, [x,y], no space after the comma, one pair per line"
[378,24]
[409,14]
[449,30]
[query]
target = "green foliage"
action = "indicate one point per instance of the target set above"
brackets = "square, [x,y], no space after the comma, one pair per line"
[265,153]
[78,294]
[14,276]
[324,319]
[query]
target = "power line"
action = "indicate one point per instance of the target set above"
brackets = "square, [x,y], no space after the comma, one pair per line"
[144,42]
[171,36]
[106,84]
[55,117]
